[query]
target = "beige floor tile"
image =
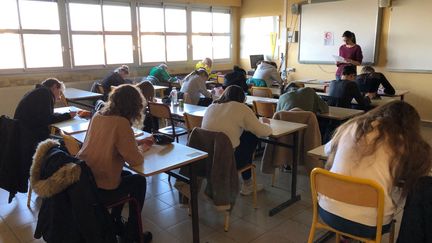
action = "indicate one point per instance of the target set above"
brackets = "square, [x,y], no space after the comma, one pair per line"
[158,188]
[304,217]
[3,226]
[153,205]
[168,217]
[8,237]
[20,218]
[25,233]
[261,218]
[215,219]
[292,231]
[271,237]
[183,231]
[243,231]
[171,197]
[217,237]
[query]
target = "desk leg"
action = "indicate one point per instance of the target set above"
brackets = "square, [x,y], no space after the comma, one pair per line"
[402,97]
[194,203]
[294,197]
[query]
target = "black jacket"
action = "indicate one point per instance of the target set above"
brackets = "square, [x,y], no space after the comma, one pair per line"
[343,91]
[114,79]
[370,82]
[11,168]
[236,77]
[70,212]
[416,223]
[35,112]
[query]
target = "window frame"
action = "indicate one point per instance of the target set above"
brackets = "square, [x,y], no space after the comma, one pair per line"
[66,34]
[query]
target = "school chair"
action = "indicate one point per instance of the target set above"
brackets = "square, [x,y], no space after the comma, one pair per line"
[72,147]
[163,111]
[362,192]
[264,109]
[261,92]
[192,121]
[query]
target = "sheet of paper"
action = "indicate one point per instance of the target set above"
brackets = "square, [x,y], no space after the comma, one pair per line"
[339,58]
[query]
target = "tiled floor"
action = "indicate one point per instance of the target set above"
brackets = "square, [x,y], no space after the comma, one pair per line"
[170,223]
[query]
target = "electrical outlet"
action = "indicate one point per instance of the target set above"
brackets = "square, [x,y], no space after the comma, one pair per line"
[290,69]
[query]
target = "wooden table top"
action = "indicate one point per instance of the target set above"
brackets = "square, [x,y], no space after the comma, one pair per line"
[78,94]
[191,109]
[339,113]
[159,87]
[162,158]
[74,125]
[318,152]
[281,128]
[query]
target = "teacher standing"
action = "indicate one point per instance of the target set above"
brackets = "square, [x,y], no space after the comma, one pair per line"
[350,51]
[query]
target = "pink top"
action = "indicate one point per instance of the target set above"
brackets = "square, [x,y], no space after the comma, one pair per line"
[353,53]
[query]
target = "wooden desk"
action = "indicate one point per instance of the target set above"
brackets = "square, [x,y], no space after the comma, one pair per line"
[250,99]
[318,152]
[74,125]
[66,109]
[339,113]
[191,109]
[160,159]
[374,102]
[159,90]
[398,93]
[73,95]
[281,128]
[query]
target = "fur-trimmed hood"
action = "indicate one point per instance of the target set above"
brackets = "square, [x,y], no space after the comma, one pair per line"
[65,176]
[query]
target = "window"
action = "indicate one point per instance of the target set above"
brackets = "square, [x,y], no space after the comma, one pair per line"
[163,34]
[211,34]
[95,33]
[37,44]
[101,34]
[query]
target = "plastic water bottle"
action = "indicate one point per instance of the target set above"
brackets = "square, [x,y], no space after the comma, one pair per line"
[173,95]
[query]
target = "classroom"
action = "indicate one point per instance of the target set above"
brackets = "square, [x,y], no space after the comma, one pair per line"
[247,146]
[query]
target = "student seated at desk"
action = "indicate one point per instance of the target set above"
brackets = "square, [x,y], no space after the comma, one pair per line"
[147,90]
[207,64]
[384,145]
[230,115]
[303,98]
[109,143]
[194,84]
[265,74]
[116,78]
[236,77]
[159,74]
[35,112]
[369,81]
[342,91]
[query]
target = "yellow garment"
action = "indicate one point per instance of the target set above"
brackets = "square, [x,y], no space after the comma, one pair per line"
[200,64]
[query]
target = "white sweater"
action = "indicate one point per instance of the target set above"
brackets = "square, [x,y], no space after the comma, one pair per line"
[268,73]
[374,166]
[232,118]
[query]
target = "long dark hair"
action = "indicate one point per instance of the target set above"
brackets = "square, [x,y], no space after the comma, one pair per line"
[398,125]
[231,93]
[147,90]
[350,35]
[125,101]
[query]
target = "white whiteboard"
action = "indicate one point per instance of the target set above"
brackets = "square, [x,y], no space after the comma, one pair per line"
[409,43]
[256,37]
[361,17]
